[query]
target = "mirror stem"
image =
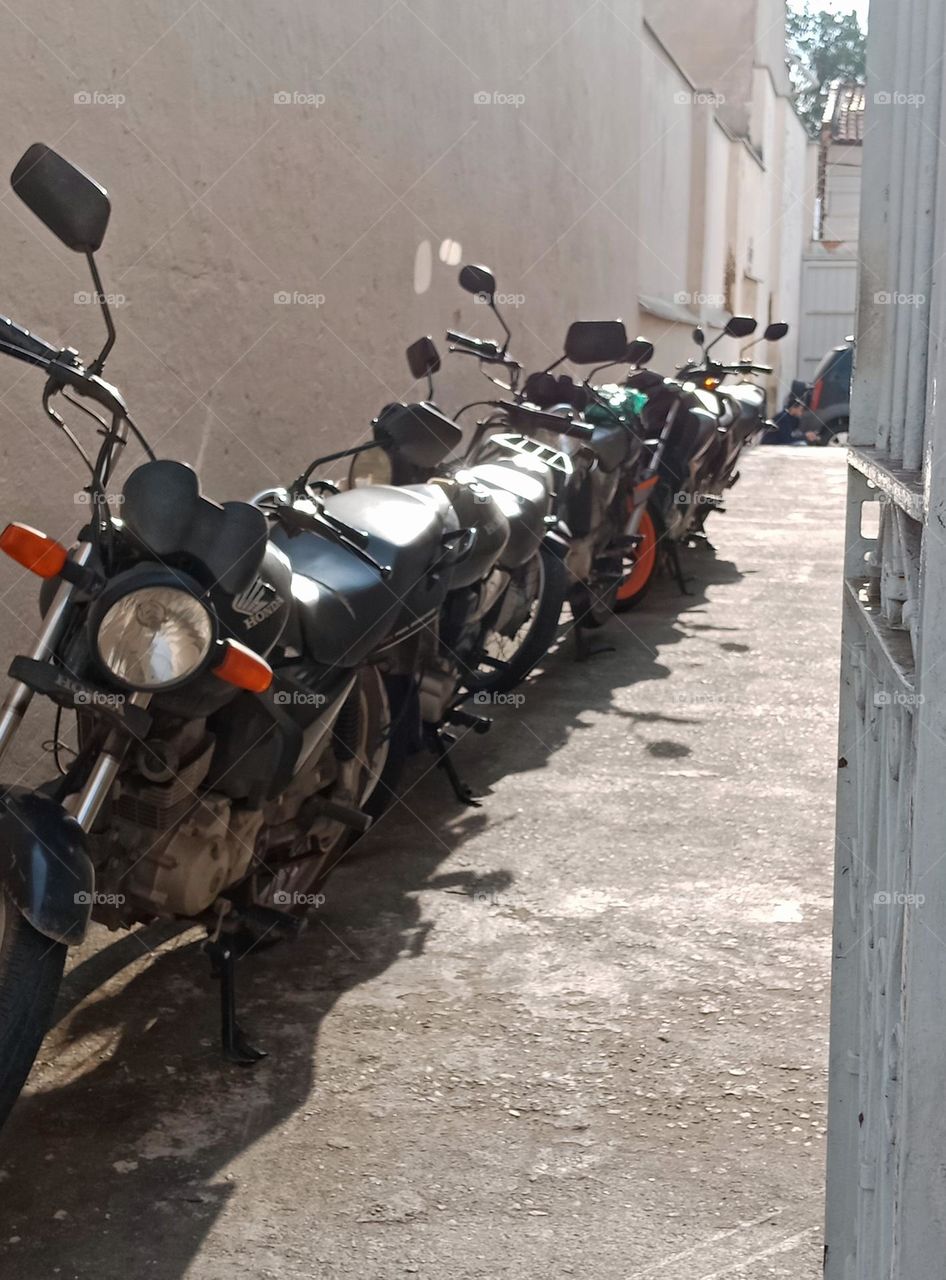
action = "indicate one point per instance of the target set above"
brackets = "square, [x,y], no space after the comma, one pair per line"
[98,363]
[506,329]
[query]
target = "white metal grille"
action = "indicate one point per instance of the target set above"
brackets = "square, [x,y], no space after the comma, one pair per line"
[886,1194]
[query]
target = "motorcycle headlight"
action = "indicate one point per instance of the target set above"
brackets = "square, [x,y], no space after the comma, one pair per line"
[154,637]
[372,466]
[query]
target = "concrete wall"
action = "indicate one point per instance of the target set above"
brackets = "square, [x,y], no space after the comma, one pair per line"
[225,198]
[842,195]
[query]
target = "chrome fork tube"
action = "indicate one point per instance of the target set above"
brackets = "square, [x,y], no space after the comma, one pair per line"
[20,695]
[85,807]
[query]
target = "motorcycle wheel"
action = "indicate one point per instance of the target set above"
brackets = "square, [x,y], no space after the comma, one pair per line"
[637,583]
[510,649]
[30,973]
[374,762]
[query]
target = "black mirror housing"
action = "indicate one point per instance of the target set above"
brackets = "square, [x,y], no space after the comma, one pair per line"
[423,358]
[699,337]
[639,352]
[740,326]
[596,342]
[418,432]
[478,280]
[776,330]
[70,203]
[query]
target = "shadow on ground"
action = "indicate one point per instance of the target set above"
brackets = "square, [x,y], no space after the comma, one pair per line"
[105,1172]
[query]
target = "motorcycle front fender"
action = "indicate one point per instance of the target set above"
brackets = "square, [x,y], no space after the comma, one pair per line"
[45,865]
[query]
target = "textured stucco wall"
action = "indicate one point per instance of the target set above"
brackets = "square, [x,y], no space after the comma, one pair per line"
[224,198]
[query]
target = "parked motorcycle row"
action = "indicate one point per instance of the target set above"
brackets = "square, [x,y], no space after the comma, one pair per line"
[248,678]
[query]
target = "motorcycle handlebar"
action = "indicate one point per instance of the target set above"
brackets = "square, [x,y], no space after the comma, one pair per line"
[488,350]
[23,345]
[62,366]
[550,421]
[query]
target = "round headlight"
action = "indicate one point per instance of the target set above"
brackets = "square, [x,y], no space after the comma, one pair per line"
[372,466]
[155,636]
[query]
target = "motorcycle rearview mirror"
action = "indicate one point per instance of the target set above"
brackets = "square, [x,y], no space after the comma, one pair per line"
[421,434]
[423,360]
[478,280]
[74,208]
[776,330]
[481,282]
[740,327]
[735,327]
[639,352]
[596,342]
[699,337]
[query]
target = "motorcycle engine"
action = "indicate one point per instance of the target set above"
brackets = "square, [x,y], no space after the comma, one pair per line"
[172,851]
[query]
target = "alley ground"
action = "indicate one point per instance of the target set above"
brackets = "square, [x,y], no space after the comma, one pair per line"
[578,1031]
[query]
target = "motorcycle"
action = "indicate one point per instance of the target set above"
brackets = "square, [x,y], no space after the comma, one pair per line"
[587,449]
[493,637]
[243,678]
[698,429]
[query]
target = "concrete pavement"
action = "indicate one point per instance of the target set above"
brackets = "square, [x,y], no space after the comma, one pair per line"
[578,1031]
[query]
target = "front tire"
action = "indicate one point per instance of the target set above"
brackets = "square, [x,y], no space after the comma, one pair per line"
[30,972]
[637,583]
[507,659]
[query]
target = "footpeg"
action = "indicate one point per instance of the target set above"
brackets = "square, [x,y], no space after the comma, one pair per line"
[467,720]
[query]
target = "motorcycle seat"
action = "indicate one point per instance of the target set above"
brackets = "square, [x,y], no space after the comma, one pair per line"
[345,607]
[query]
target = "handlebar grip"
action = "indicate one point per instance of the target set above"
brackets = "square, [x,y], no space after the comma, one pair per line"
[22,344]
[474,344]
[527,416]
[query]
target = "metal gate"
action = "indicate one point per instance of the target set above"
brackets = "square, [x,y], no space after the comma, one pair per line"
[828,293]
[886,1180]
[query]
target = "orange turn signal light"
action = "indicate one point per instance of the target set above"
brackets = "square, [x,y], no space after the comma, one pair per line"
[242,667]
[33,550]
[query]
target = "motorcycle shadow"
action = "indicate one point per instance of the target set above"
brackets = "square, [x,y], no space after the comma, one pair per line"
[118,1160]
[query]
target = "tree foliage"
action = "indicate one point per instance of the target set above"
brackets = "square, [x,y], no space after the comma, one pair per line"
[824,47]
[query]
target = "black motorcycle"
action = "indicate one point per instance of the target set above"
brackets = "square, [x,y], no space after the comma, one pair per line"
[245,681]
[510,616]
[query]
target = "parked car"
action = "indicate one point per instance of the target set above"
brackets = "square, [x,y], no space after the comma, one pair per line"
[828,399]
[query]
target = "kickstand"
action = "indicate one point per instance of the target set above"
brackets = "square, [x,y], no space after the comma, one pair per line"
[234,1044]
[460,789]
[677,568]
[585,648]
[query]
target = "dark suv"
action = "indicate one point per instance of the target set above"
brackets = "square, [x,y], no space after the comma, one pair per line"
[828,399]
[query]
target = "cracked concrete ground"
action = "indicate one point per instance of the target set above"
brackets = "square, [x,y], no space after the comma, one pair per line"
[578,1031]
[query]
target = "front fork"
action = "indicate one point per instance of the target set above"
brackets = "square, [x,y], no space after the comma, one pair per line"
[643,489]
[86,804]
